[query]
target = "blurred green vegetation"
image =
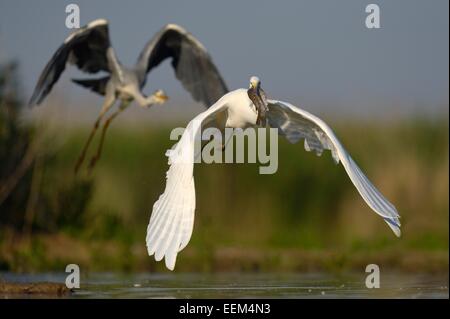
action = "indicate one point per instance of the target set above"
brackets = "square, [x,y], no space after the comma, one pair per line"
[30,198]
[307,216]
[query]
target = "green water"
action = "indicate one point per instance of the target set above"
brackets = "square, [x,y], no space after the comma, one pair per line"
[233,285]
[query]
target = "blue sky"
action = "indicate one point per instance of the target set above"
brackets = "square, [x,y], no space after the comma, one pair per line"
[318,54]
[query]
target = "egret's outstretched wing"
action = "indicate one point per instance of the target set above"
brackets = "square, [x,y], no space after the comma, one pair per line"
[295,124]
[172,219]
[86,48]
[192,63]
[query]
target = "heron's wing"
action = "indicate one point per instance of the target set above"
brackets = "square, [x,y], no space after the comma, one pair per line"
[95,85]
[295,124]
[172,219]
[192,63]
[86,48]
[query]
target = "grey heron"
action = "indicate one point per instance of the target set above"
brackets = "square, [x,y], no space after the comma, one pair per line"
[90,50]
[171,222]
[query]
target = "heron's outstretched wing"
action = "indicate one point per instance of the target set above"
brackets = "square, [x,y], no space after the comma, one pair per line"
[95,85]
[192,63]
[86,48]
[172,219]
[295,124]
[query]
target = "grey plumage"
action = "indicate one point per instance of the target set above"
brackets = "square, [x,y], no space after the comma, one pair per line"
[95,85]
[192,64]
[89,49]
[85,48]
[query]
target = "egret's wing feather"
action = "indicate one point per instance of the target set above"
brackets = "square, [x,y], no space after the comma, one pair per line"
[192,63]
[295,124]
[86,48]
[172,219]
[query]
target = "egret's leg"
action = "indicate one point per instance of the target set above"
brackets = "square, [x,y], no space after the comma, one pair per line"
[107,104]
[221,120]
[225,143]
[108,121]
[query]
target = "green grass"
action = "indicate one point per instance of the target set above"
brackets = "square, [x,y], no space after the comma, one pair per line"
[308,206]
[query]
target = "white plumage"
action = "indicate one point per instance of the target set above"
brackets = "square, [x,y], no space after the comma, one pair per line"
[172,219]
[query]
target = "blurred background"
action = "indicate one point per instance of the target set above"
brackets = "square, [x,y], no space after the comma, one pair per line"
[383,91]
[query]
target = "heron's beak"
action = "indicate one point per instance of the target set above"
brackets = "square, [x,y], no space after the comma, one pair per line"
[160,97]
[163,97]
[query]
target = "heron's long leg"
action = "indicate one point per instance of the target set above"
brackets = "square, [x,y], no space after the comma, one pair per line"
[107,104]
[108,121]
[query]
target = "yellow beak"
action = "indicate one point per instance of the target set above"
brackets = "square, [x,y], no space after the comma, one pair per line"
[162,97]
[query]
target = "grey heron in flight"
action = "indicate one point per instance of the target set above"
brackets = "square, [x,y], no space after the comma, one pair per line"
[90,50]
[172,219]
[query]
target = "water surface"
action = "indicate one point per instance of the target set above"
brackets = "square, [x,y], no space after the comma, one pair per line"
[234,285]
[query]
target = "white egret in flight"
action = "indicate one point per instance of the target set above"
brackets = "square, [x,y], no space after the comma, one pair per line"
[89,48]
[171,223]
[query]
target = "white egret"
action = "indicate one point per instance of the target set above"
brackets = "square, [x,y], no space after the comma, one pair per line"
[171,223]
